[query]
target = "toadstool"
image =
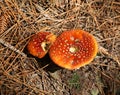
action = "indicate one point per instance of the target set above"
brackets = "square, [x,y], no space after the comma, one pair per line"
[73,49]
[40,43]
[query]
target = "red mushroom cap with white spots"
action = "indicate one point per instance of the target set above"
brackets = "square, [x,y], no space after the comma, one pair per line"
[40,43]
[73,49]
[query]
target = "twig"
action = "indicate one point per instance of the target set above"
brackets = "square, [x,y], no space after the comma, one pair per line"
[8,45]
[104,51]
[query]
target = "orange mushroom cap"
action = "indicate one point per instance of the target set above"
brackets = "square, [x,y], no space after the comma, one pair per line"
[40,43]
[73,49]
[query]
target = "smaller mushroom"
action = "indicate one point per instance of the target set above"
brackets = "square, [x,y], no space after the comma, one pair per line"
[73,49]
[40,43]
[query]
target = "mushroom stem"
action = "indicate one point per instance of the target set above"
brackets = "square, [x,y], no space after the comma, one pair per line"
[45,46]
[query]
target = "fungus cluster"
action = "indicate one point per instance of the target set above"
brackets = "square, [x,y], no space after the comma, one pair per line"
[71,50]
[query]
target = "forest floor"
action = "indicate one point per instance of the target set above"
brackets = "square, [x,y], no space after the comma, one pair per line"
[24,74]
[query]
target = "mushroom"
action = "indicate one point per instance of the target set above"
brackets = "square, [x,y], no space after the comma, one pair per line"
[73,49]
[40,43]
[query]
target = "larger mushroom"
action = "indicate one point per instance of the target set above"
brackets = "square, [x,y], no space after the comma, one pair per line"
[73,49]
[40,43]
